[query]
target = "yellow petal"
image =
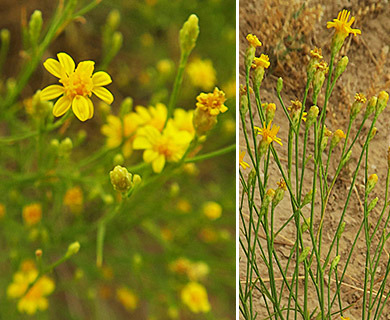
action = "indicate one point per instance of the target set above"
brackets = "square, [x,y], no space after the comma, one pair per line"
[103,94]
[141,143]
[54,67]
[61,106]
[67,62]
[80,108]
[150,155]
[51,92]
[101,78]
[86,67]
[90,107]
[158,164]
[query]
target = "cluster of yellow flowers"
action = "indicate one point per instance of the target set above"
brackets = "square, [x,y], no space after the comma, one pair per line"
[30,299]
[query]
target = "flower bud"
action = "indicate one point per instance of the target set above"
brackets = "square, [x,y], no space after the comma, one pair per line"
[341,230]
[335,262]
[315,58]
[137,179]
[251,50]
[383,97]
[113,19]
[279,85]
[35,27]
[337,136]
[307,198]
[267,200]
[117,41]
[189,34]
[371,106]
[65,147]
[203,121]
[325,138]
[243,105]
[38,253]
[305,252]
[312,116]
[372,180]
[252,178]
[270,109]
[372,204]
[319,78]
[118,159]
[279,193]
[121,179]
[346,158]
[73,249]
[373,133]
[341,66]
[305,225]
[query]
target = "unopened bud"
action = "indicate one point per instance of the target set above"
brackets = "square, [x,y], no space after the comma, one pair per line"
[341,66]
[335,262]
[372,204]
[305,225]
[360,99]
[203,121]
[341,230]
[346,158]
[279,193]
[38,253]
[189,34]
[312,116]
[305,252]
[126,106]
[270,109]
[252,178]
[267,200]
[373,133]
[113,19]
[117,41]
[383,97]
[118,159]
[337,136]
[137,179]
[307,198]
[35,27]
[73,249]
[371,105]
[279,85]
[121,179]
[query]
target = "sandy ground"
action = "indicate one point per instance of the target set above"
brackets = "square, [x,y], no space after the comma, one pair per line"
[367,72]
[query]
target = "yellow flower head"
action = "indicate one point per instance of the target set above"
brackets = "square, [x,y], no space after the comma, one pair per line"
[243,90]
[35,299]
[212,103]
[262,62]
[282,184]
[253,40]
[194,295]
[360,97]
[316,53]
[74,199]
[168,146]
[322,67]
[202,74]
[269,133]
[127,298]
[78,84]
[212,210]
[295,110]
[154,116]
[180,266]
[32,214]
[342,25]
[243,164]
[340,134]
[182,120]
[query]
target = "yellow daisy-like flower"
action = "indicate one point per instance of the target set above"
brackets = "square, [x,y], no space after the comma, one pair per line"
[212,210]
[160,147]
[116,132]
[360,97]
[35,299]
[32,213]
[253,40]
[127,298]
[243,164]
[262,62]
[213,103]
[77,87]
[342,25]
[202,74]
[269,133]
[153,116]
[183,120]
[194,295]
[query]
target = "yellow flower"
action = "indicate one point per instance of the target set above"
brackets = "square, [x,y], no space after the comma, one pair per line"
[360,97]
[269,134]
[212,103]
[127,298]
[32,214]
[202,74]
[212,210]
[183,206]
[116,132]
[2,211]
[243,164]
[78,84]
[262,62]
[74,199]
[180,266]
[342,25]
[168,146]
[35,299]
[316,53]
[345,318]
[253,40]
[153,116]
[194,295]
[182,120]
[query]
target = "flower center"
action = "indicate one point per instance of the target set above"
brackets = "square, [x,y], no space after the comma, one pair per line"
[77,84]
